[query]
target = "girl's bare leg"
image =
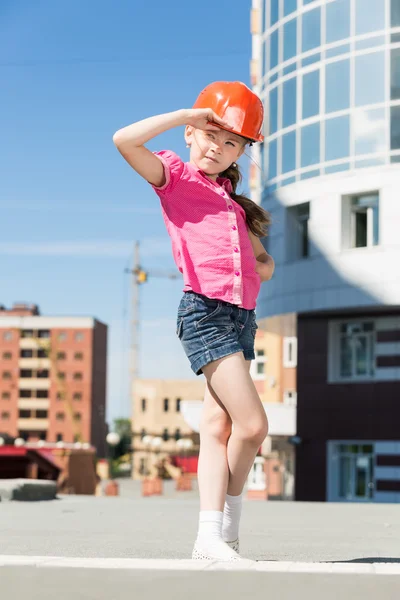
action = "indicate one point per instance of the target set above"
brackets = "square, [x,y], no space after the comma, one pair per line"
[212,471]
[233,392]
[226,456]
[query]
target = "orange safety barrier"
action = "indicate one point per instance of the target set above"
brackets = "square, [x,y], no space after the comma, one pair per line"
[157,486]
[147,487]
[184,483]
[112,488]
[152,486]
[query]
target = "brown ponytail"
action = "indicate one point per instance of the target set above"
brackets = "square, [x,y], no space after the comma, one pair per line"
[257,218]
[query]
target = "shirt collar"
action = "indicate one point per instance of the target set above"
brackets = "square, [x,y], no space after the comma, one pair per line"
[224,182]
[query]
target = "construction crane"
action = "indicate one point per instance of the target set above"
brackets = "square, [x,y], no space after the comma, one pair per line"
[139,277]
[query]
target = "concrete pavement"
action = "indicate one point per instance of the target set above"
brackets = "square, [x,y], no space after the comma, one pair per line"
[312,550]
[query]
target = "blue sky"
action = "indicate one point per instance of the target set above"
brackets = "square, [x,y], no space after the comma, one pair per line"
[71,74]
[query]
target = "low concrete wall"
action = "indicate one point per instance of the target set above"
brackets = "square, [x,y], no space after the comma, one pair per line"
[27,490]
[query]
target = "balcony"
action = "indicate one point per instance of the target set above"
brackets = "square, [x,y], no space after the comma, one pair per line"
[33,424]
[33,384]
[34,363]
[34,403]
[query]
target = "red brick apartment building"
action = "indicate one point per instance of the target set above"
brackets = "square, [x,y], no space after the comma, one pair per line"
[52,377]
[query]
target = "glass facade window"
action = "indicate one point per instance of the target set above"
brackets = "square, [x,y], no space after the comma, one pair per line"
[289,152]
[289,69]
[395,128]
[289,103]
[289,6]
[395,13]
[395,74]
[370,16]
[370,68]
[337,90]
[311,23]
[310,60]
[337,21]
[337,168]
[343,49]
[273,111]
[310,174]
[290,39]
[369,131]
[310,145]
[274,49]
[337,138]
[310,94]
[274,14]
[272,159]
[288,181]
[369,162]
[370,42]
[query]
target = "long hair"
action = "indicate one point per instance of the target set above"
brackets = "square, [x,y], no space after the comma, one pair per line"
[258,219]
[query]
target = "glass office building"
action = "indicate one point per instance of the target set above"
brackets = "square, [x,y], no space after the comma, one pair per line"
[328,72]
[330,75]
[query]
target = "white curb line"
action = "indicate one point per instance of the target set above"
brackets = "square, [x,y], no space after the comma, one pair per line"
[332,568]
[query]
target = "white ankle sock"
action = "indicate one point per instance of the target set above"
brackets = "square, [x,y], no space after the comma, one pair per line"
[209,537]
[232,513]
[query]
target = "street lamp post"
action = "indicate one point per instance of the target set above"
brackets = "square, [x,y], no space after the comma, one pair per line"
[157,482]
[112,439]
[147,441]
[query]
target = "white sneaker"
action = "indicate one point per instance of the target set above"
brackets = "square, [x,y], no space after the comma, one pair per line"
[221,553]
[234,545]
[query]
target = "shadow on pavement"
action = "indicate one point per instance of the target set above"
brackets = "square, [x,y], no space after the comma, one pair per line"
[372,559]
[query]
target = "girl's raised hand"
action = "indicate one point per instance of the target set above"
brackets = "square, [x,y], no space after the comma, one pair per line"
[204,118]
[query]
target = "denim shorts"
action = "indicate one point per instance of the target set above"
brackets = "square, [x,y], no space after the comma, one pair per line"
[210,329]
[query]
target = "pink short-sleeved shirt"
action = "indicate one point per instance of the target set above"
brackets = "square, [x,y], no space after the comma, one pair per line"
[210,241]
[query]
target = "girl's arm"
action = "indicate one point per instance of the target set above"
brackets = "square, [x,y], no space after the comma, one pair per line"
[265,265]
[130,140]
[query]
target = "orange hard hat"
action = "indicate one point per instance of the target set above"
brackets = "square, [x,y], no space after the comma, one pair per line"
[236,104]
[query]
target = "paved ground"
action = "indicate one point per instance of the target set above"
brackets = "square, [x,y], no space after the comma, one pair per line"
[357,539]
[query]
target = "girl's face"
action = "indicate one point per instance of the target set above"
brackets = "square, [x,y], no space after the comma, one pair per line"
[213,150]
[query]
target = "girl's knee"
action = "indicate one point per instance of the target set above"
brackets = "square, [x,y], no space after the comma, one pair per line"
[254,431]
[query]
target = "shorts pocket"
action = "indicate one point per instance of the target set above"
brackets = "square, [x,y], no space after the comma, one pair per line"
[209,316]
[215,326]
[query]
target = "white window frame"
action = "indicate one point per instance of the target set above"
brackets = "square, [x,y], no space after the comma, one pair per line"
[253,367]
[298,220]
[289,362]
[334,352]
[349,222]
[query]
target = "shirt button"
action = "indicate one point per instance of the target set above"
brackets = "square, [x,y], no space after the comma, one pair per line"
[230,206]
[234,227]
[236,249]
[237,273]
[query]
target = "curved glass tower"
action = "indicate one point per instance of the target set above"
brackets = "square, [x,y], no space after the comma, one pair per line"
[328,72]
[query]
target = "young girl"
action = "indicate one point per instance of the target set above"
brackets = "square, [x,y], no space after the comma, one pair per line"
[215,242]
